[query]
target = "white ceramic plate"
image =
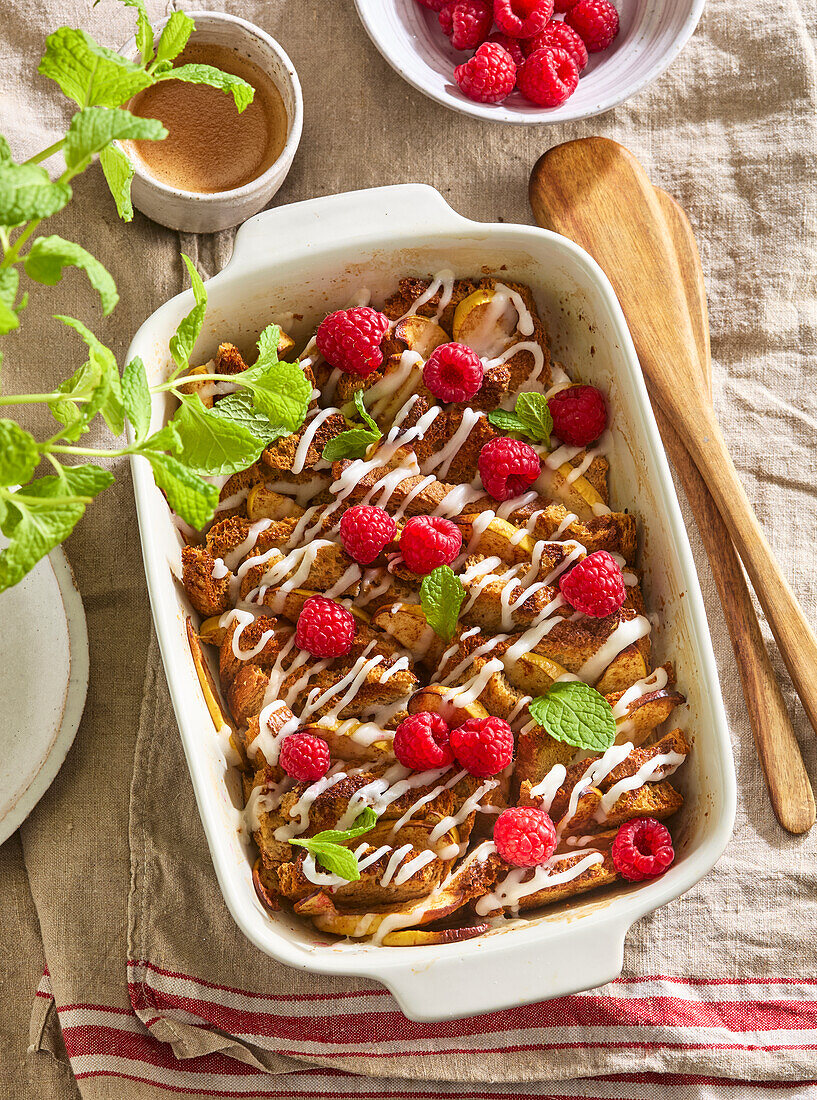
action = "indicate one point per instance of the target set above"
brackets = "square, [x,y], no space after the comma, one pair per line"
[43,682]
[306,259]
[652,34]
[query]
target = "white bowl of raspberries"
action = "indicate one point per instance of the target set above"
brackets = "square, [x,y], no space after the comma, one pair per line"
[530,61]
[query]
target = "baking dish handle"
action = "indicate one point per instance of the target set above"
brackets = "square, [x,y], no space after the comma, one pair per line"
[524,970]
[354,219]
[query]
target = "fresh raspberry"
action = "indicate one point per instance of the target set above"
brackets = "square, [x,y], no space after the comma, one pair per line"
[484,746]
[508,467]
[466,22]
[433,5]
[427,542]
[524,836]
[304,756]
[561,36]
[522,18]
[558,5]
[642,849]
[350,339]
[596,21]
[548,77]
[579,414]
[489,76]
[325,628]
[512,45]
[364,530]
[595,586]
[453,372]
[421,742]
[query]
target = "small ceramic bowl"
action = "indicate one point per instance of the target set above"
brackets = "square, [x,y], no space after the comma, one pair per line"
[652,34]
[195,212]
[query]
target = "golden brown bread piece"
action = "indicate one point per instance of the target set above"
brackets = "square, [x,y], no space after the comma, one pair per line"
[207,595]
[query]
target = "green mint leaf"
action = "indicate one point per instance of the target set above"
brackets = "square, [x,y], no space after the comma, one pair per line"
[532,409]
[27,193]
[441,596]
[165,439]
[118,171]
[33,532]
[364,823]
[328,846]
[144,31]
[577,714]
[109,396]
[506,421]
[19,455]
[73,481]
[268,343]
[242,92]
[281,391]
[94,128]
[49,256]
[351,444]
[364,415]
[240,408]
[188,495]
[136,397]
[90,74]
[174,37]
[5,152]
[184,340]
[87,384]
[8,318]
[211,444]
[9,312]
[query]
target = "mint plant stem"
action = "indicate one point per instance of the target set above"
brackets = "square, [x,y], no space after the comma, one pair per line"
[46,153]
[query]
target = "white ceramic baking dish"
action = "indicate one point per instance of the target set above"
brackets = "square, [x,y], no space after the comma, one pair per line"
[304,260]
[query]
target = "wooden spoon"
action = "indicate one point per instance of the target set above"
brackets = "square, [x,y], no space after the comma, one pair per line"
[595,192]
[786,777]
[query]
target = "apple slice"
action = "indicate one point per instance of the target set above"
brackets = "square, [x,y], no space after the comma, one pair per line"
[485,322]
[420,334]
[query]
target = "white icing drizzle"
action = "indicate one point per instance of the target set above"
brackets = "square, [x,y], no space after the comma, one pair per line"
[509,892]
[627,632]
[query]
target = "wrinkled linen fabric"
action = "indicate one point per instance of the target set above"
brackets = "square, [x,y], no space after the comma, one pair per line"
[720,983]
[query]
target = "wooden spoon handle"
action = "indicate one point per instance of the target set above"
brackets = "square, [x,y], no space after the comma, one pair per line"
[783,769]
[797,643]
[786,777]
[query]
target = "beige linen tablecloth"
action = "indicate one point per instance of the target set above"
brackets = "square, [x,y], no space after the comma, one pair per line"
[730,132]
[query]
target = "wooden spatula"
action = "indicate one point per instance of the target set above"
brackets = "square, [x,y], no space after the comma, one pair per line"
[786,777]
[595,192]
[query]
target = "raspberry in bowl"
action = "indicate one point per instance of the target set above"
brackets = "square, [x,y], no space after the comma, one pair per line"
[649,38]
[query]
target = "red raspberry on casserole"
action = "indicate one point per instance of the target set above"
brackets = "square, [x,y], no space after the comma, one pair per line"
[642,849]
[427,542]
[579,414]
[325,628]
[558,5]
[466,22]
[349,339]
[484,746]
[522,18]
[489,76]
[559,35]
[508,467]
[512,45]
[524,836]
[548,77]
[365,530]
[453,372]
[421,742]
[433,5]
[596,21]
[304,756]
[595,586]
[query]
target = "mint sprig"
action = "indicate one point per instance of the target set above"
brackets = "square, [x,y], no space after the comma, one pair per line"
[441,596]
[328,846]
[356,442]
[577,714]
[531,417]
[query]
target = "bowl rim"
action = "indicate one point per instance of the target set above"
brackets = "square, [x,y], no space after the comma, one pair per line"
[404,969]
[295,118]
[498,112]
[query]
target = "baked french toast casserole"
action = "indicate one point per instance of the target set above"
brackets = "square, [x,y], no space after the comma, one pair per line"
[431,635]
